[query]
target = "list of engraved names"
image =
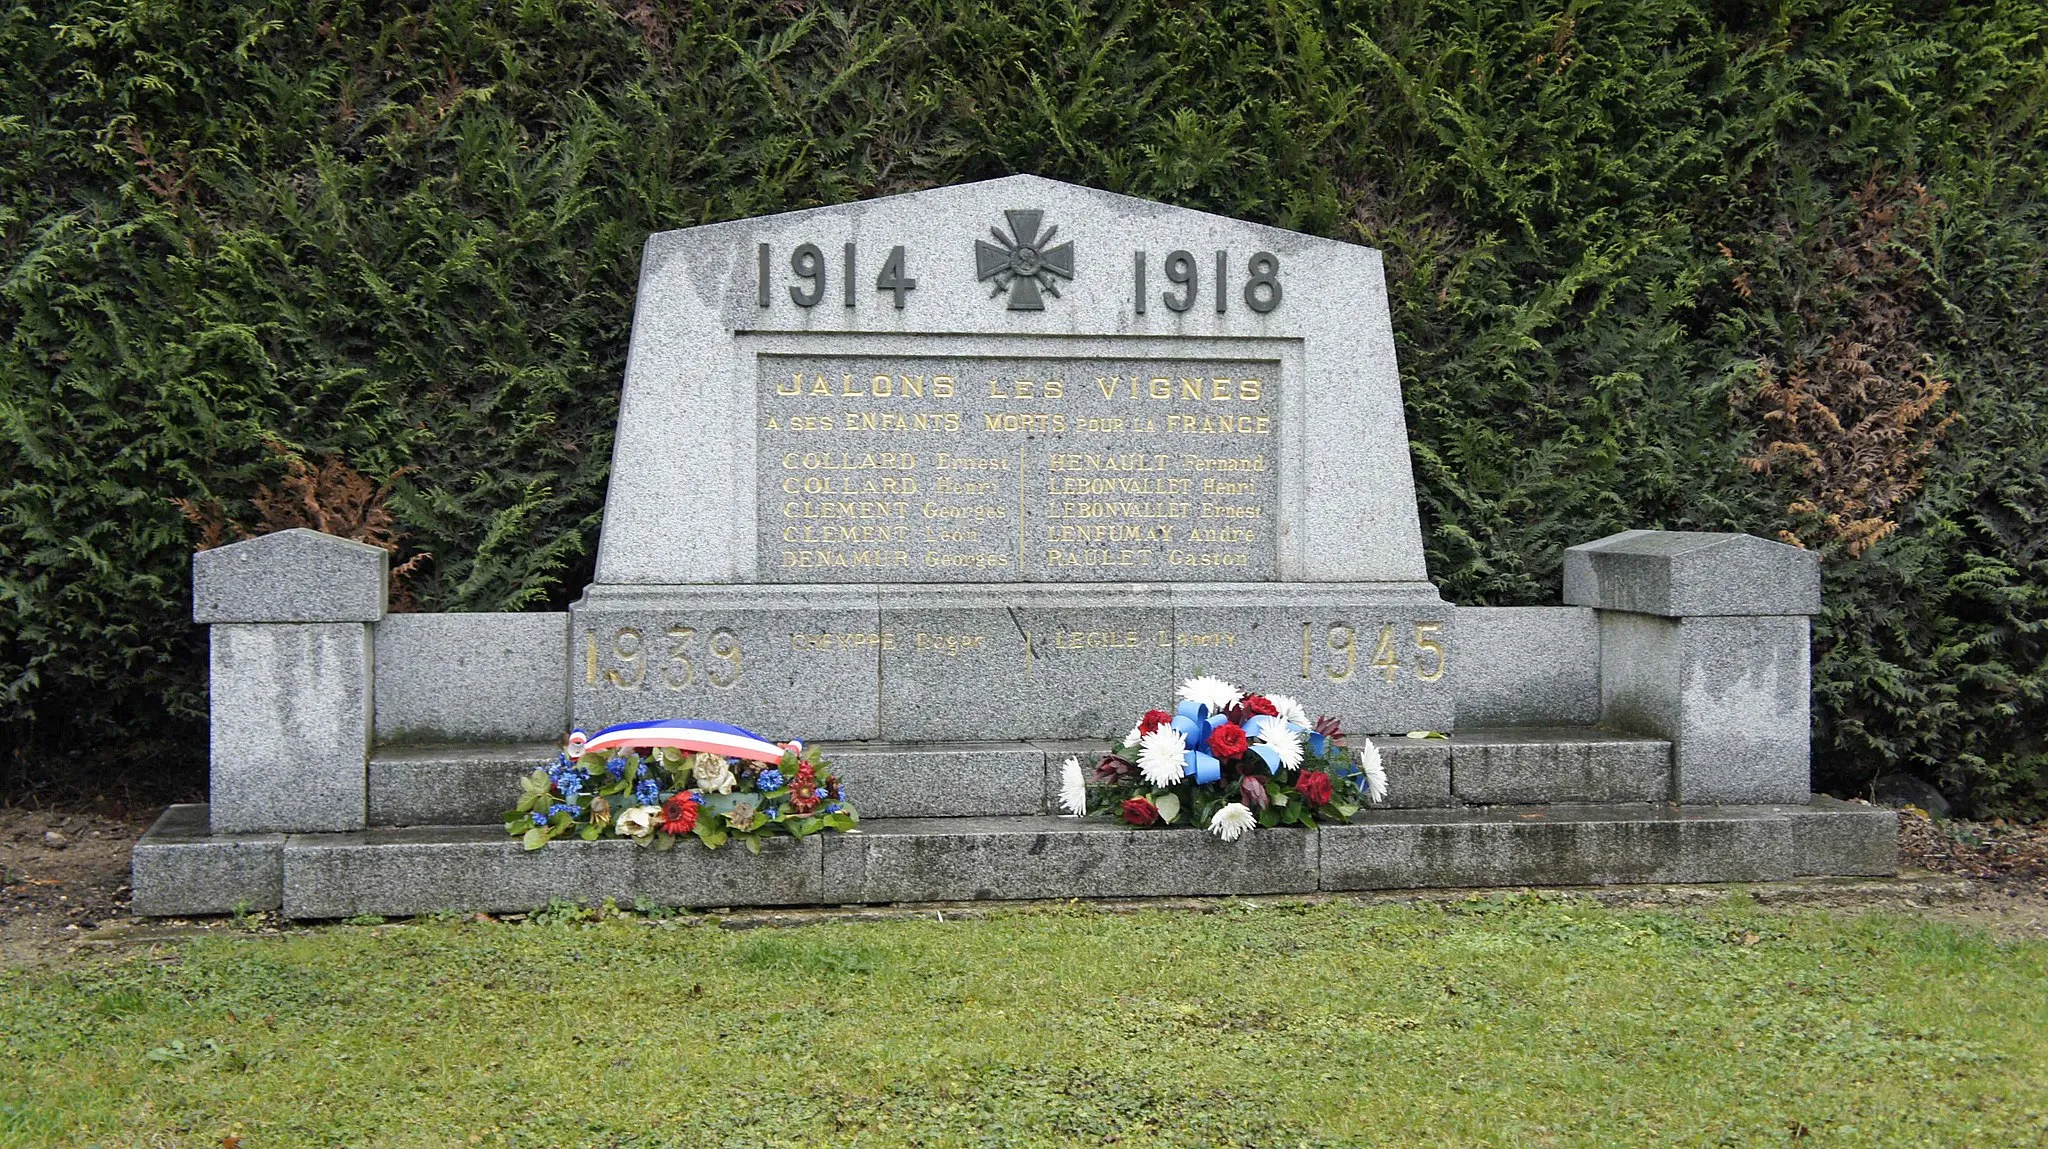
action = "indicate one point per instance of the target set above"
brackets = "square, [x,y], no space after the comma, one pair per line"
[964,469]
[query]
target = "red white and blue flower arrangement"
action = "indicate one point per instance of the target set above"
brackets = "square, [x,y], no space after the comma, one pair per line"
[657,782]
[1230,761]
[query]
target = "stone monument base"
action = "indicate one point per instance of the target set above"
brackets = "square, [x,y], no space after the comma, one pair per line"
[1652,729]
[181,869]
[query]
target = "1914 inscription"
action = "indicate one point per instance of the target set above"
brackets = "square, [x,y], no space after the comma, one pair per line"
[959,469]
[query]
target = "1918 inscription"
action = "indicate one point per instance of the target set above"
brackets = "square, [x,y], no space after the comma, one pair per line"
[911,469]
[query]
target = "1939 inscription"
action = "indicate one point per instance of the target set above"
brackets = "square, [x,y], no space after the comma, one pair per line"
[910,469]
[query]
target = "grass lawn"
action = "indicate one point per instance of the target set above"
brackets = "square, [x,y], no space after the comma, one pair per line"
[1519,1021]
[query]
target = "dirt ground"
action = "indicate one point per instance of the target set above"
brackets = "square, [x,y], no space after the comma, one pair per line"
[63,877]
[64,884]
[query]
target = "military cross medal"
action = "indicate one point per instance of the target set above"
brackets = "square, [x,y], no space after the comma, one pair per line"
[1023,265]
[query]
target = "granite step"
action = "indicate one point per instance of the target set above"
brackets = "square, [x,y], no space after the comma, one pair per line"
[473,784]
[181,868]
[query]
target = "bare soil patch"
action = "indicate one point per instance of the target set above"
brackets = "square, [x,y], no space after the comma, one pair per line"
[63,877]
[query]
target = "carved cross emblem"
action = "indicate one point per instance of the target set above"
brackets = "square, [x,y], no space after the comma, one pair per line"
[1024,266]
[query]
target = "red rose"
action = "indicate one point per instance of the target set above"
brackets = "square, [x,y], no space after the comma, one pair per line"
[1258,704]
[679,814]
[1227,740]
[1140,811]
[1153,720]
[1313,785]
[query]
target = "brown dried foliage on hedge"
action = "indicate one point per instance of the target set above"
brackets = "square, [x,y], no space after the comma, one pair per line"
[1854,419]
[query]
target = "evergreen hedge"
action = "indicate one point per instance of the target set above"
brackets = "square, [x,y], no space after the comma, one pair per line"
[1695,264]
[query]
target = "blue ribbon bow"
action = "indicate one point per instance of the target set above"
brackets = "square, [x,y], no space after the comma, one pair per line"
[1195,723]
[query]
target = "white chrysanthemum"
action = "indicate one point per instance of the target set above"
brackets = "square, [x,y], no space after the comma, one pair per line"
[1231,822]
[1073,791]
[1283,742]
[1163,760]
[1290,710]
[1135,737]
[1211,692]
[1375,774]
[638,821]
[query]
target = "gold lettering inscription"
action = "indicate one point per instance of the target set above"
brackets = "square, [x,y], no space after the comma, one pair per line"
[1425,641]
[1342,642]
[631,651]
[624,663]
[826,641]
[1383,658]
[680,671]
[950,645]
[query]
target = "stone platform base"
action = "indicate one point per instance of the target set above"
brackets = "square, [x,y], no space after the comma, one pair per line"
[182,869]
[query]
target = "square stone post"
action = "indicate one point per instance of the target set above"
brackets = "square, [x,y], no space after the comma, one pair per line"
[291,617]
[1704,642]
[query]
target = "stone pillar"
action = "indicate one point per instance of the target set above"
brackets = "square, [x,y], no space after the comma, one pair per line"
[1704,642]
[292,618]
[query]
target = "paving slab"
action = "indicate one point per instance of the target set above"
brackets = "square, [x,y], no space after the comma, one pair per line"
[1559,764]
[480,868]
[181,868]
[940,780]
[975,859]
[1603,845]
[464,784]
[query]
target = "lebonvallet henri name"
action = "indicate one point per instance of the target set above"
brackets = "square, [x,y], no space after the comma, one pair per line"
[912,468]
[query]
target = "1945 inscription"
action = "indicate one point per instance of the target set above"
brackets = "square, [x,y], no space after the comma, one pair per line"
[902,469]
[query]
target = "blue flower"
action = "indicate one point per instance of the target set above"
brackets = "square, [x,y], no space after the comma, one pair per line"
[771,779]
[616,767]
[571,784]
[539,819]
[696,797]
[562,808]
[647,792]
[834,808]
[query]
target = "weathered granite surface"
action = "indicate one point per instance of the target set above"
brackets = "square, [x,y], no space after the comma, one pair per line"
[417,871]
[180,867]
[1380,656]
[1691,573]
[1731,694]
[1537,765]
[472,676]
[953,780]
[1527,666]
[290,711]
[450,785]
[411,871]
[292,575]
[1024,662]
[782,661]
[483,677]
[1418,772]
[959,859]
[692,436]
[1604,845]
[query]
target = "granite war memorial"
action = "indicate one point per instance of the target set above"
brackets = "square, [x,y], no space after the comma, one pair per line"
[948,482]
